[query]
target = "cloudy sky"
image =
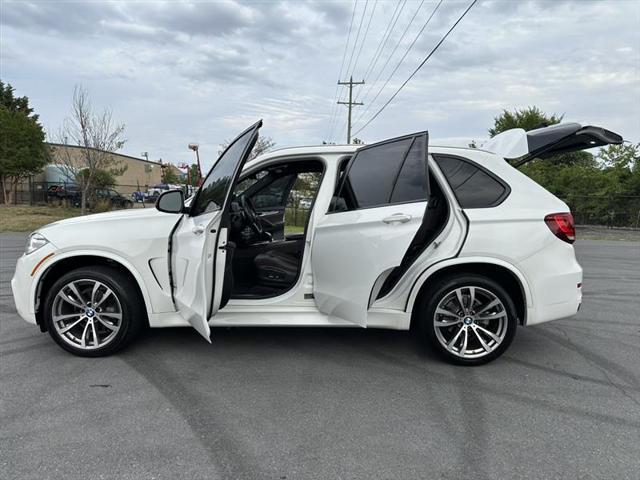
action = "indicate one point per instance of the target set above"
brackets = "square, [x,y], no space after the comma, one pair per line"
[180,72]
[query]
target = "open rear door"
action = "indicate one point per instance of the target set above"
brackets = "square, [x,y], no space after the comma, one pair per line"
[522,146]
[198,245]
[376,213]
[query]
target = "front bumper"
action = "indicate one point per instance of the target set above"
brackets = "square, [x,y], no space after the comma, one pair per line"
[25,280]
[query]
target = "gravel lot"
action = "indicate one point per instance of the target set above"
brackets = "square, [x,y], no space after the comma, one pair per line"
[564,402]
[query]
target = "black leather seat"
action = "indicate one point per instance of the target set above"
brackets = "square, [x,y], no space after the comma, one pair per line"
[276,268]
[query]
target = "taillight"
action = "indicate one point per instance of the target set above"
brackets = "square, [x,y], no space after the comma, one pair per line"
[561,224]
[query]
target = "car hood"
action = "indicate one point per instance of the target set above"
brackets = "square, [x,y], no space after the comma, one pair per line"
[139,214]
[127,232]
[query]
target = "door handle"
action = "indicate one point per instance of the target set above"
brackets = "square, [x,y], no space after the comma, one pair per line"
[397,218]
[198,229]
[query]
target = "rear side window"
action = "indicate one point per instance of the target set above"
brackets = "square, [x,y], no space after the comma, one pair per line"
[390,172]
[473,186]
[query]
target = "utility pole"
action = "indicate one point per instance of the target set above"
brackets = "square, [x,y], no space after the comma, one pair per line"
[350,103]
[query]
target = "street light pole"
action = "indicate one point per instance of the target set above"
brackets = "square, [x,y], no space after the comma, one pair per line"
[194,147]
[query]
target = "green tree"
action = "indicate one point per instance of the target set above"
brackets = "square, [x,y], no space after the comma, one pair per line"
[528,118]
[15,104]
[22,150]
[169,174]
[101,178]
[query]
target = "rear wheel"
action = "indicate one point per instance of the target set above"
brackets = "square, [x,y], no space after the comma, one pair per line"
[93,311]
[468,319]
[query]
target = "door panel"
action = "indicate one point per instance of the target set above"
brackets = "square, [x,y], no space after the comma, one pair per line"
[198,246]
[354,250]
[192,272]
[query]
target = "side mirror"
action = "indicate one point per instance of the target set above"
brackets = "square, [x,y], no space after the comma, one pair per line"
[171,202]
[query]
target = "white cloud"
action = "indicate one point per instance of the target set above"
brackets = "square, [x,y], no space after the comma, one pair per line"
[178,72]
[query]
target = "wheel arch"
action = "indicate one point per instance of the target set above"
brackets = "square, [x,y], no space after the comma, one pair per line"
[64,264]
[507,275]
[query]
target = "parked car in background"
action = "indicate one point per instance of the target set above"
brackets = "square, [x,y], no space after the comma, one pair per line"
[68,192]
[453,243]
[114,198]
[138,197]
[305,203]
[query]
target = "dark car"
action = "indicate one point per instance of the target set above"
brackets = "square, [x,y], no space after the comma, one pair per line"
[114,198]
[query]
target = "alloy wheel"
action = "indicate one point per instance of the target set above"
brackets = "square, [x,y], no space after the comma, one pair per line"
[86,314]
[470,322]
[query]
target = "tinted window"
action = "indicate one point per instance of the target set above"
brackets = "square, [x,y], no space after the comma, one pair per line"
[473,187]
[273,195]
[215,187]
[372,174]
[412,181]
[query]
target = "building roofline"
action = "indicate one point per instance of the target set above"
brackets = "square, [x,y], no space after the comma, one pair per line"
[53,144]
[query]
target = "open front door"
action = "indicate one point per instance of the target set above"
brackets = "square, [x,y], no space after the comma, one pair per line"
[198,245]
[548,141]
[375,215]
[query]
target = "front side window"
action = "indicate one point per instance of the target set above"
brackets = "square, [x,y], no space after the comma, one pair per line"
[215,188]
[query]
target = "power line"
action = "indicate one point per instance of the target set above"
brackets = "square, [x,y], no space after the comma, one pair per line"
[355,44]
[385,38]
[344,56]
[419,66]
[364,38]
[381,46]
[415,14]
[407,51]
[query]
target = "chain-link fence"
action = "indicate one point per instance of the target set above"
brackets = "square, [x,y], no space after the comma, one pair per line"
[56,193]
[607,210]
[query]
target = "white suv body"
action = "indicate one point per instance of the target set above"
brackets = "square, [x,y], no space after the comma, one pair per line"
[465,252]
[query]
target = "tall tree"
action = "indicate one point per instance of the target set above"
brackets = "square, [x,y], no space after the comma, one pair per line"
[22,150]
[528,118]
[263,145]
[169,174]
[98,136]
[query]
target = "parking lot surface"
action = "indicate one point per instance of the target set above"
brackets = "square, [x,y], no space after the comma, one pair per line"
[563,402]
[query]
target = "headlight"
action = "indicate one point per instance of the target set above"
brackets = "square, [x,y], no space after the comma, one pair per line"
[35,242]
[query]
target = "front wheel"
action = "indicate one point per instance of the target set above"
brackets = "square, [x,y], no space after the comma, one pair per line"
[93,311]
[468,319]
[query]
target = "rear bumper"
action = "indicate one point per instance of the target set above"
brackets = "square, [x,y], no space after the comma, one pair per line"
[555,278]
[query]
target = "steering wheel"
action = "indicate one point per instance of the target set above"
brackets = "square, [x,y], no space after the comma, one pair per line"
[250,213]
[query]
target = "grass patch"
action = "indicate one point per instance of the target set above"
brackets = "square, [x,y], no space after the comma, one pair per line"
[293,229]
[27,218]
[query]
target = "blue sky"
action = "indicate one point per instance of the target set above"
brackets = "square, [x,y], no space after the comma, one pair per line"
[181,72]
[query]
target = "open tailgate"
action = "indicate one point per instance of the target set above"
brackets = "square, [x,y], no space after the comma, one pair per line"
[521,146]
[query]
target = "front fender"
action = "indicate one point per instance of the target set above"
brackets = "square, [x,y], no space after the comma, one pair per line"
[139,277]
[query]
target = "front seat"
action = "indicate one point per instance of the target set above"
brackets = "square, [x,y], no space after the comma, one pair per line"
[276,268]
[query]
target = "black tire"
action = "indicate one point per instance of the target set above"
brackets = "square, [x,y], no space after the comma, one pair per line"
[125,292]
[445,287]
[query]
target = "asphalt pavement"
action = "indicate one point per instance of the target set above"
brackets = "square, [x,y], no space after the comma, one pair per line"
[563,402]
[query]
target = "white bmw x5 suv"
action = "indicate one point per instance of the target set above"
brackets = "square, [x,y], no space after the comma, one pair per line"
[454,242]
